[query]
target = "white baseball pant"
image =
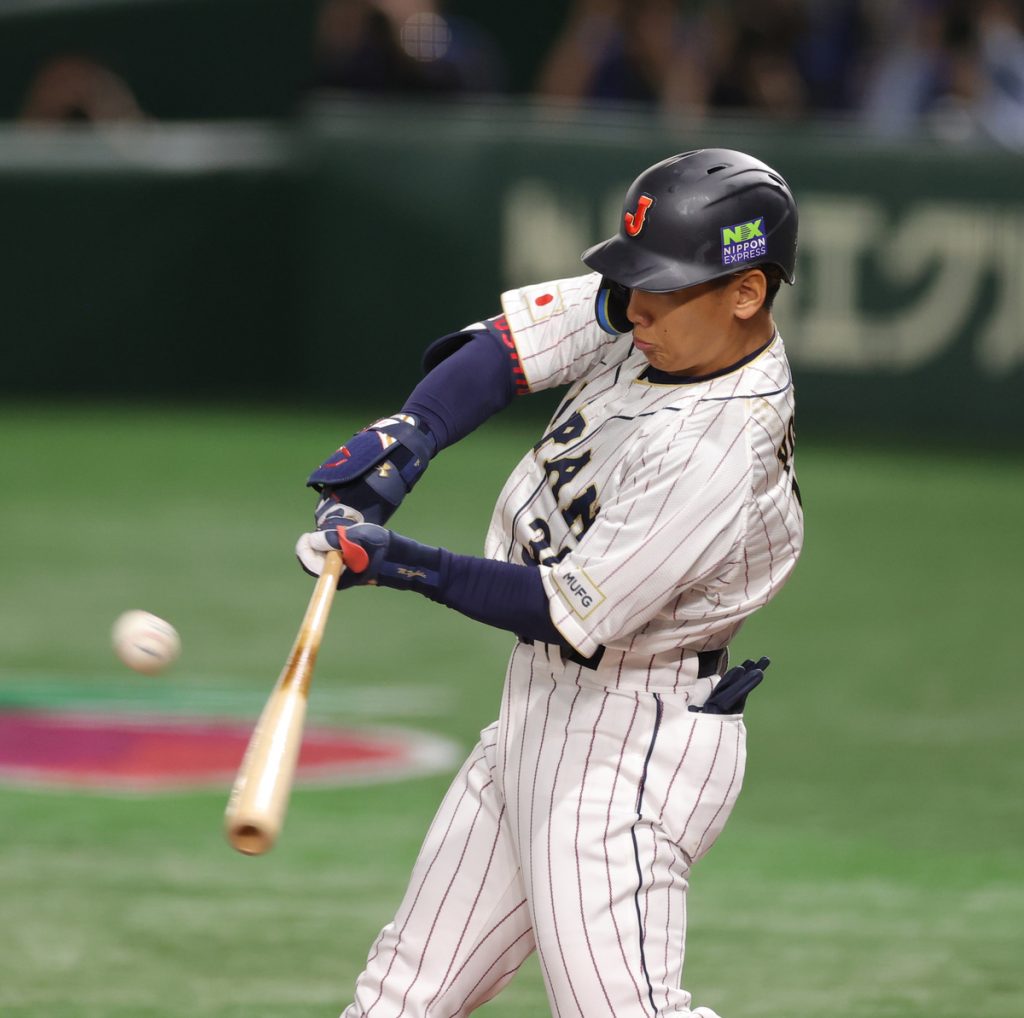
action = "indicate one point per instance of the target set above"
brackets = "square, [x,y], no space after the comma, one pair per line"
[570,829]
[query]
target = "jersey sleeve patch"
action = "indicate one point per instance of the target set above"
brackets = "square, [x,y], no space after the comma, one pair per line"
[555,331]
[578,591]
[543,301]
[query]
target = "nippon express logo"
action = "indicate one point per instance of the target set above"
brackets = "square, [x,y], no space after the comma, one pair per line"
[744,241]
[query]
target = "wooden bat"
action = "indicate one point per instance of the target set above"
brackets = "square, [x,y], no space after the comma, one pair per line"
[259,798]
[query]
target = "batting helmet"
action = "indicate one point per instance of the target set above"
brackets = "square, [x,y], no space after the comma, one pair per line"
[698,216]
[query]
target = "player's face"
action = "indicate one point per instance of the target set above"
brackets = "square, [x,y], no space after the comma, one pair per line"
[701,329]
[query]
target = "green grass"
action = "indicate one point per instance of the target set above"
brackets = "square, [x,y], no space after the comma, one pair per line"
[874,865]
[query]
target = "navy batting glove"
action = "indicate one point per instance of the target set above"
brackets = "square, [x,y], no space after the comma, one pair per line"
[372,554]
[375,469]
[730,695]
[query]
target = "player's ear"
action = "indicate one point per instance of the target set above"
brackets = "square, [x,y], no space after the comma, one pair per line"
[751,289]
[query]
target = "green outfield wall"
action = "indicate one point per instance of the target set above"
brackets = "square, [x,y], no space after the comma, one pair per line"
[316,258]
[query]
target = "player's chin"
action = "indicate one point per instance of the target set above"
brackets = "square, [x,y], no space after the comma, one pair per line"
[656,358]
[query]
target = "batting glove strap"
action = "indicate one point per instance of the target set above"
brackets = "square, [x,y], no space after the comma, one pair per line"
[375,469]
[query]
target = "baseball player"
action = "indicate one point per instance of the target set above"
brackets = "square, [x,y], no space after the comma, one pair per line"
[657,510]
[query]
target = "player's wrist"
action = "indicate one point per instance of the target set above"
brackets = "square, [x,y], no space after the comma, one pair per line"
[409,565]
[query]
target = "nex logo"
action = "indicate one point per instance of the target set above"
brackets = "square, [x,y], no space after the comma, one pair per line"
[743,231]
[634,221]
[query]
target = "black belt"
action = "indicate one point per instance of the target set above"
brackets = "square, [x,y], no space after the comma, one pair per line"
[712,662]
[709,662]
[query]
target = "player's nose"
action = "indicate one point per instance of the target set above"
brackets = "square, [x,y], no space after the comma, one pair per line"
[635,310]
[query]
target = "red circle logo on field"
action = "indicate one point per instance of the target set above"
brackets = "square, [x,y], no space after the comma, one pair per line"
[544,298]
[110,752]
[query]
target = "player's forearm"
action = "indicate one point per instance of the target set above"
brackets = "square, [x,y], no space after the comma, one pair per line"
[500,594]
[373,472]
[463,390]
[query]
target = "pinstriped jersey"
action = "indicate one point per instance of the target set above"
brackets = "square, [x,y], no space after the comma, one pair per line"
[662,511]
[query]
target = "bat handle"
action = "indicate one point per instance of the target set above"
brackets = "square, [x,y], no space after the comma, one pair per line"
[334,566]
[323,593]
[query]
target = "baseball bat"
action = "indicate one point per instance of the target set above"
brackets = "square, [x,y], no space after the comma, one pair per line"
[259,797]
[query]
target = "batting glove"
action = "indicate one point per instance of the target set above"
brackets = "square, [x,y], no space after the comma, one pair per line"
[374,470]
[372,554]
[730,695]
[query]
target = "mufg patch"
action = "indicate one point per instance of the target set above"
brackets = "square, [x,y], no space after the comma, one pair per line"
[744,242]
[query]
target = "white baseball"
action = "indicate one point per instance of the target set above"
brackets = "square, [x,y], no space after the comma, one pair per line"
[145,642]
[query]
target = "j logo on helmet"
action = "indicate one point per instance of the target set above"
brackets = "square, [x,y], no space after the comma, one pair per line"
[635,220]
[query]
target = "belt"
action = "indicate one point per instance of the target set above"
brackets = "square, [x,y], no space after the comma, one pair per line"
[709,662]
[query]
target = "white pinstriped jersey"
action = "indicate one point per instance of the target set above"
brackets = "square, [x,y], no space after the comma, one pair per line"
[664,510]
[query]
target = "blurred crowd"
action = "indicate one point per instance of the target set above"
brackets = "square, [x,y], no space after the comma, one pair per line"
[952,68]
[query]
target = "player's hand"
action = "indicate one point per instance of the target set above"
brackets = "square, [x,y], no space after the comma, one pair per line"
[363,546]
[330,507]
[374,470]
[372,554]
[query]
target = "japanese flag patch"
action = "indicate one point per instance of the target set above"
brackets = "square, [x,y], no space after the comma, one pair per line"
[543,301]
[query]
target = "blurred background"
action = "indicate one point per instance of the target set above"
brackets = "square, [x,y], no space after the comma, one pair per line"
[228,229]
[185,182]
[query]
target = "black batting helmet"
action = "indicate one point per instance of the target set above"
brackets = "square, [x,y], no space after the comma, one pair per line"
[698,216]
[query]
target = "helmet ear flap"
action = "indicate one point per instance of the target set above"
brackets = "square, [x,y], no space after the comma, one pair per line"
[610,307]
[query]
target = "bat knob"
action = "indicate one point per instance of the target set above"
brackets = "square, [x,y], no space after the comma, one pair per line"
[250,839]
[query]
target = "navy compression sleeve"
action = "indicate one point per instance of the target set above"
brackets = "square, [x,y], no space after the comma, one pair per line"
[464,390]
[457,396]
[501,594]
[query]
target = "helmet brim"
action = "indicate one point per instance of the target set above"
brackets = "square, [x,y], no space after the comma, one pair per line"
[629,264]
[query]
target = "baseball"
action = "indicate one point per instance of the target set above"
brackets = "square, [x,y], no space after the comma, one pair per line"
[145,642]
